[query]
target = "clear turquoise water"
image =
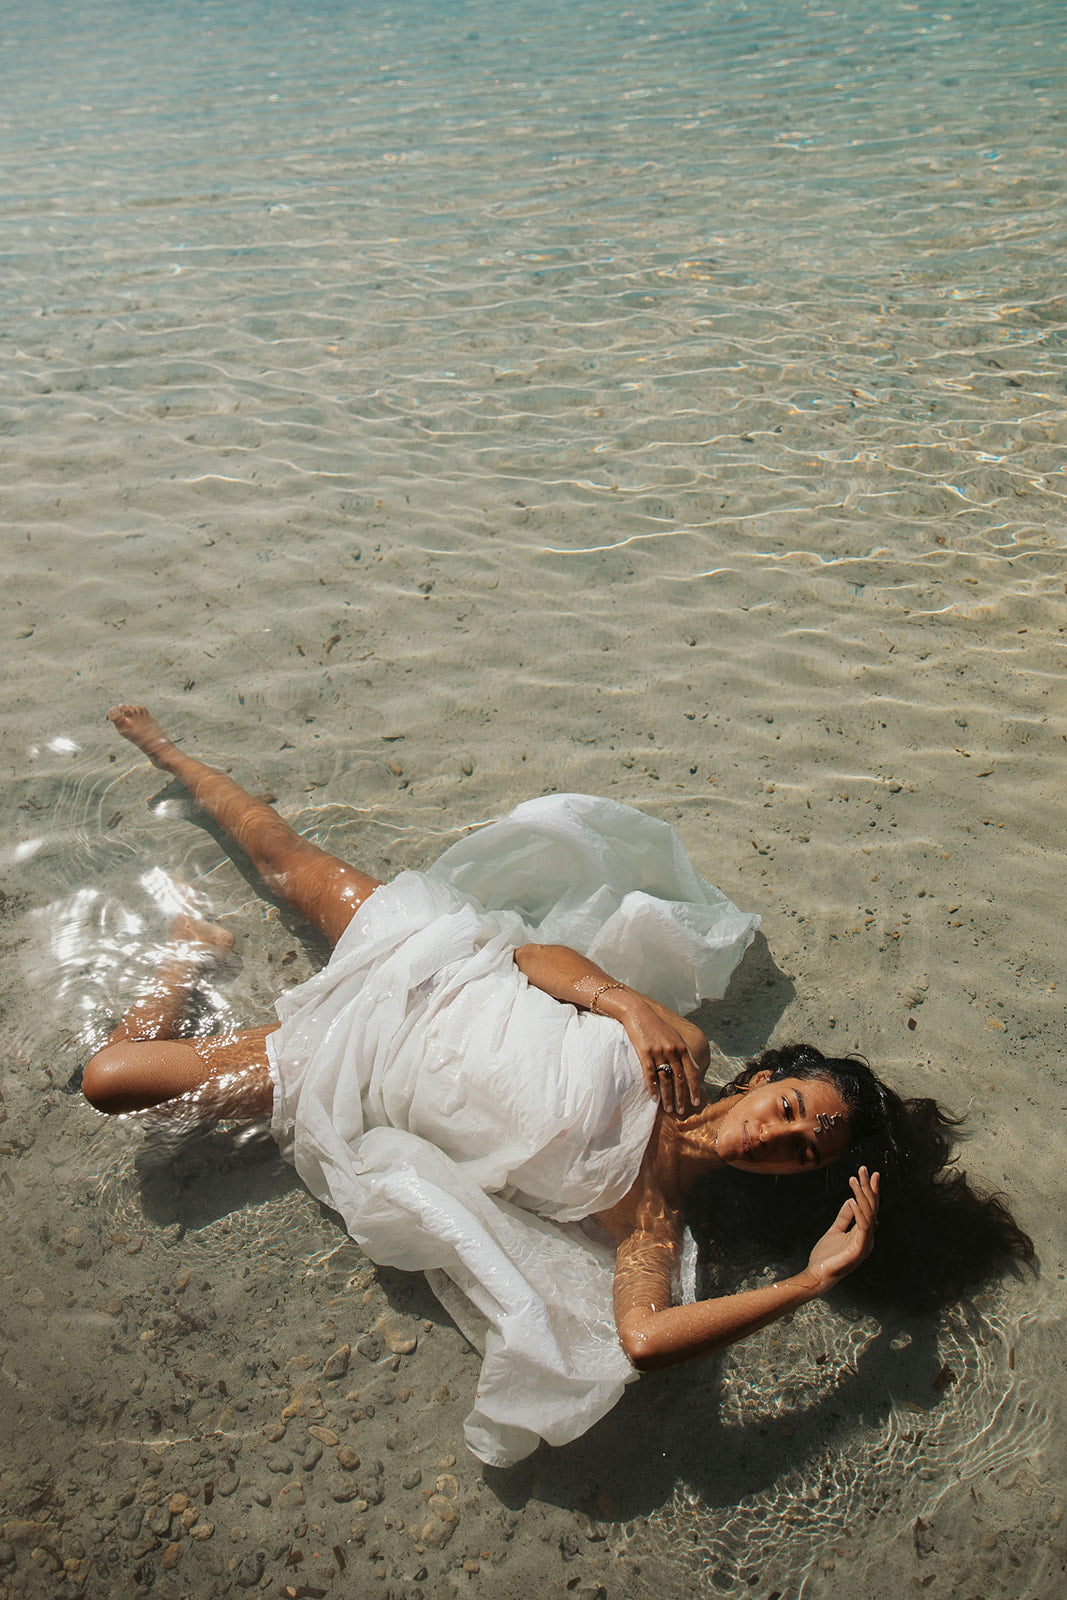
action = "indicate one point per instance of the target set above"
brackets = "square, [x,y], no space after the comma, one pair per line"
[546,385]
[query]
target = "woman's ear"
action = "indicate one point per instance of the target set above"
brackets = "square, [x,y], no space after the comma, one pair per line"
[758,1079]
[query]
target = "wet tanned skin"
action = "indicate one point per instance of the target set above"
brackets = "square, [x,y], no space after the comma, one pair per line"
[770,1129]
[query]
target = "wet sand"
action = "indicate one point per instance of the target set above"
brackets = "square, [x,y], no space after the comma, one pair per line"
[417,458]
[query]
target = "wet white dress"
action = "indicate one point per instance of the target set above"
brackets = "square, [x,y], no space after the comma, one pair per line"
[463,1122]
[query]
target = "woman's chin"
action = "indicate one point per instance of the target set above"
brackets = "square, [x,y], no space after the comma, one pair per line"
[736,1159]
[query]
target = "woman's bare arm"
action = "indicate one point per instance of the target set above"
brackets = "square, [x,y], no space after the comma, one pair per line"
[661,1038]
[656,1334]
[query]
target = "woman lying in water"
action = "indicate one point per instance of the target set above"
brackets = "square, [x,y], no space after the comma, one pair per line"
[537,1077]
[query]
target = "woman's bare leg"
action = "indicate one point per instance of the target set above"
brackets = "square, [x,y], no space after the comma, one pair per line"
[193,945]
[225,1076]
[323,888]
[143,1064]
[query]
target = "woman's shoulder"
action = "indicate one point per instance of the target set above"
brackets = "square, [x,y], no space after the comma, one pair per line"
[653,1203]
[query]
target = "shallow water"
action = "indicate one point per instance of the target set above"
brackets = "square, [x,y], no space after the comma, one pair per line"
[665,402]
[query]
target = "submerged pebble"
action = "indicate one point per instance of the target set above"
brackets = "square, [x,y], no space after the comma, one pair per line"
[369,1346]
[438,1531]
[343,1489]
[323,1435]
[399,1339]
[337,1365]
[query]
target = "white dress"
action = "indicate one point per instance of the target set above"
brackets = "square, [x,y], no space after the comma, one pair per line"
[463,1122]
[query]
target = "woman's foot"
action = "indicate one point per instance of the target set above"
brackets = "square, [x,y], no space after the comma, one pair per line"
[194,937]
[139,726]
[156,1016]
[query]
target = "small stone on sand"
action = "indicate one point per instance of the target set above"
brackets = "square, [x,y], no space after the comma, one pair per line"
[337,1365]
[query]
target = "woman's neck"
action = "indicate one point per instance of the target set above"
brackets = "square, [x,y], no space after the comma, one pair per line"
[691,1143]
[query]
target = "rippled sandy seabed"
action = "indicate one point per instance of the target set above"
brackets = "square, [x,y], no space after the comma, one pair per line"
[425,406]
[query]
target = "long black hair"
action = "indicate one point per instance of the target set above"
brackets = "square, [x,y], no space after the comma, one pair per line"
[939,1236]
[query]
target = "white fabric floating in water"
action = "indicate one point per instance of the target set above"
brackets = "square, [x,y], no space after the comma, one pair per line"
[462,1121]
[613,883]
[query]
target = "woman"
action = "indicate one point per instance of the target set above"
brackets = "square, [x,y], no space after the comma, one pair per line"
[465,1095]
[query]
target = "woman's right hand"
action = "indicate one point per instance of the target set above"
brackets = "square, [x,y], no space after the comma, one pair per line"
[850,1239]
[672,1075]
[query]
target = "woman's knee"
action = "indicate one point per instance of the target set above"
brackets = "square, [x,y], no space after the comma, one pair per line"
[134,1074]
[105,1077]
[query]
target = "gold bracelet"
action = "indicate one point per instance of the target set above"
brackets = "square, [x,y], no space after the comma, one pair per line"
[604,987]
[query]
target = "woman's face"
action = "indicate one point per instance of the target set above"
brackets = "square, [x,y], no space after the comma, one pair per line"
[791,1125]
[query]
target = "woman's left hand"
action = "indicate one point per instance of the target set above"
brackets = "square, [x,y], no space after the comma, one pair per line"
[850,1239]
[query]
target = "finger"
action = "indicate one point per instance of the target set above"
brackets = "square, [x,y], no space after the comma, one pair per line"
[682,1093]
[664,1086]
[670,1086]
[862,1184]
[865,1231]
[864,1203]
[693,1081]
[663,1072]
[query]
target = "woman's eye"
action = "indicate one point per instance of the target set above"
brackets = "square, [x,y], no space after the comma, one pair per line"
[787,1110]
[801,1153]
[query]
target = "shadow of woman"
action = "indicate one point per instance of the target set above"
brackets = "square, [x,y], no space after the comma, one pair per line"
[669,1430]
[758,995]
[194,1174]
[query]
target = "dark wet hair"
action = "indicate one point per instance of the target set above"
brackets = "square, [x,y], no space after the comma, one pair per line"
[939,1236]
